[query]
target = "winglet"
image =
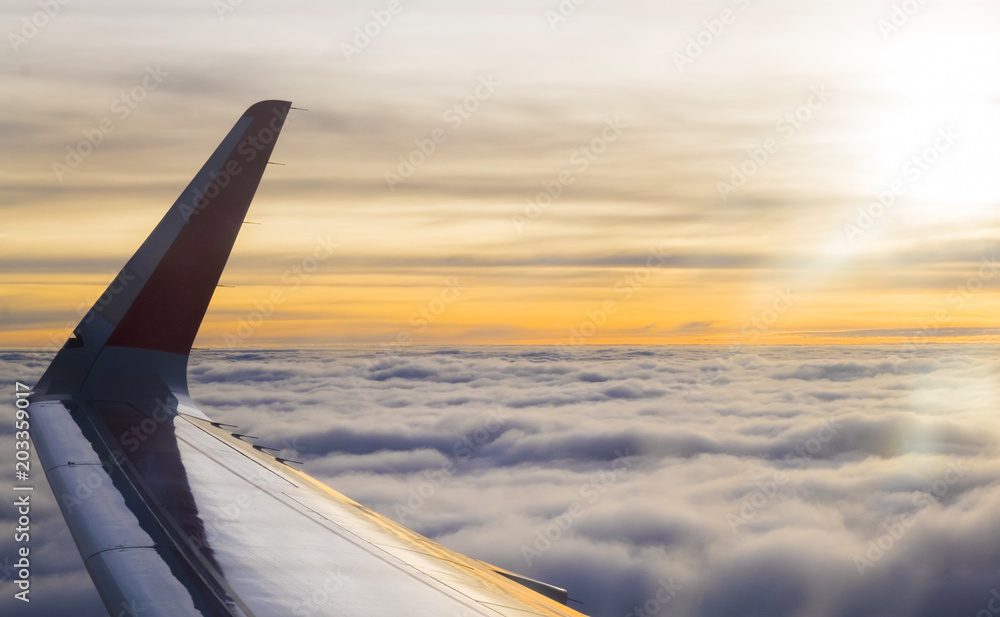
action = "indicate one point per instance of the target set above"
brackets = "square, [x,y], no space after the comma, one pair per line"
[156,304]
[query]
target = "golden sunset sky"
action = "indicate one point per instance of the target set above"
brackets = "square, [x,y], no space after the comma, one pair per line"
[520,172]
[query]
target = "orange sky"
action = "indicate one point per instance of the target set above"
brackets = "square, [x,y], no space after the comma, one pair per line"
[509,175]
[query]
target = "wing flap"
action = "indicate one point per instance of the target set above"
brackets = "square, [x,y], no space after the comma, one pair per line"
[387,541]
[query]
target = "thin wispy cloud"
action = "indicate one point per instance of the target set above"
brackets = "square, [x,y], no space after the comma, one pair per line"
[758,144]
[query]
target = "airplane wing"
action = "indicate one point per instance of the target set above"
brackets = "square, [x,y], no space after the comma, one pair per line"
[175,515]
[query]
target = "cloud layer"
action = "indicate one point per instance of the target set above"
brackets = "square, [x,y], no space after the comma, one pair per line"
[817,481]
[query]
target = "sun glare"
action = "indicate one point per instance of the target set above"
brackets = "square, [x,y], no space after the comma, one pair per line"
[936,136]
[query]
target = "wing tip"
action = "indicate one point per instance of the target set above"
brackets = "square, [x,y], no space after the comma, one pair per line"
[175,272]
[273,106]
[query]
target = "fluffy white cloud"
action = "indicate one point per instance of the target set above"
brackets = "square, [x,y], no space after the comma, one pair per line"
[821,481]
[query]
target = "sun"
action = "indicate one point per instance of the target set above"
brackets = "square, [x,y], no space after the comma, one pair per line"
[944,86]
